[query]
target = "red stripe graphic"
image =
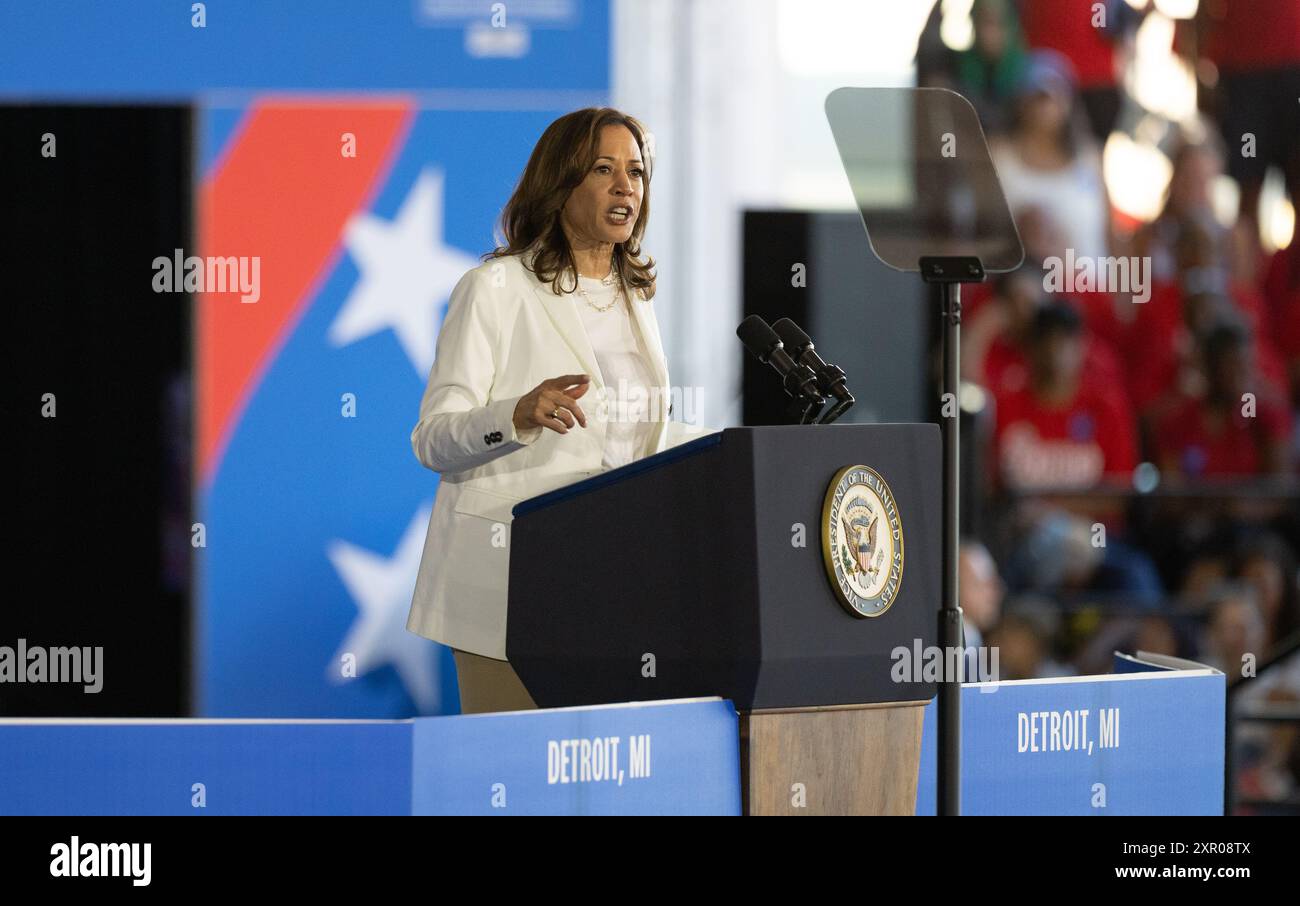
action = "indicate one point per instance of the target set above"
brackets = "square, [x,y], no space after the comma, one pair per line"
[283,193]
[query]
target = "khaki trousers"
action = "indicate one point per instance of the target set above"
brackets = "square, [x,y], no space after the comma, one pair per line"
[487,684]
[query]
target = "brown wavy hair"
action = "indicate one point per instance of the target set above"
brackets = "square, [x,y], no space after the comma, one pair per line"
[560,161]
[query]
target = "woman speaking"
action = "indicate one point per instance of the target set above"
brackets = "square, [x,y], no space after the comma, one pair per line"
[549,369]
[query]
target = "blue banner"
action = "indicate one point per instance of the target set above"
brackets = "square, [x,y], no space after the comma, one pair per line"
[182,767]
[635,759]
[646,758]
[167,50]
[1146,743]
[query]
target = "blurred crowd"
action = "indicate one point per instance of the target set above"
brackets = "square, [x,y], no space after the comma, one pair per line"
[1140,443]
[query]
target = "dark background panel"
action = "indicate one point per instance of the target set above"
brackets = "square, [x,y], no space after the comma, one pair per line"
[870,320]
[772,242]
[98,525]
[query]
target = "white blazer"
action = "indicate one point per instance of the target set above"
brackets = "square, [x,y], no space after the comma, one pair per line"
[505,332]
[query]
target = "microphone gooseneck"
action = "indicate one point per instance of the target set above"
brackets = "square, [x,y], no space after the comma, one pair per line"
[831,379]
[799,381]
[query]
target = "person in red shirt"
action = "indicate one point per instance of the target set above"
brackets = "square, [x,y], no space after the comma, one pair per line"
[1062,430]
[995,344]
[1254,47]
[1225,432]
[1282,304]
[1162,341]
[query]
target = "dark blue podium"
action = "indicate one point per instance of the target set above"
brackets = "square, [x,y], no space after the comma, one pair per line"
[702,571]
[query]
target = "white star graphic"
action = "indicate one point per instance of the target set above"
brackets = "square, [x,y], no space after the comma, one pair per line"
[381,587]
[406,274]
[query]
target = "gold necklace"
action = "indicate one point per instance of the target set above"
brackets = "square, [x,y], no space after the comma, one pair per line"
[609,280]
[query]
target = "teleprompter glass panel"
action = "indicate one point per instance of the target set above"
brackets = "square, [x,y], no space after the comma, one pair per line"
[922,177]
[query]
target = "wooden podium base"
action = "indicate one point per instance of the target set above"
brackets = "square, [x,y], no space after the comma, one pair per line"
[842,760]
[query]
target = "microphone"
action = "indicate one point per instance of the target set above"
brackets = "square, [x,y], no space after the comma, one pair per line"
[831,379]
[798,380]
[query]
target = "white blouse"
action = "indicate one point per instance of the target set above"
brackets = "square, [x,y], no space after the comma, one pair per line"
[624,364]
[1073,198]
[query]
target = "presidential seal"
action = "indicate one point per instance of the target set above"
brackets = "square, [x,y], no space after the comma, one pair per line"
[862,541]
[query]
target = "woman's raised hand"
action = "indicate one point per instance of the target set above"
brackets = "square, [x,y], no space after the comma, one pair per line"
[553,404]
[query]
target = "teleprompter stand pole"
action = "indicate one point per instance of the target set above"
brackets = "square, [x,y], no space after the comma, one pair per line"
[948,274]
